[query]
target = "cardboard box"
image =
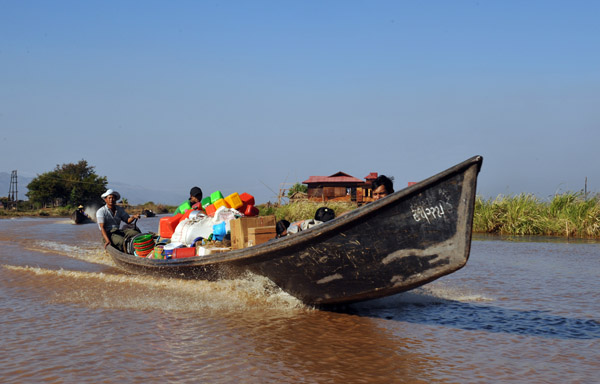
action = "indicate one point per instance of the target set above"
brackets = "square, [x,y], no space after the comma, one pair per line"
[261,235]
[239,228]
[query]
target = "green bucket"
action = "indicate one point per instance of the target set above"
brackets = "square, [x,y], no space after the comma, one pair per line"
[142,238]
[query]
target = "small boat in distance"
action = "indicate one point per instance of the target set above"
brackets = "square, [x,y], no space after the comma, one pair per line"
[80,217]
[148,213]
[407,239]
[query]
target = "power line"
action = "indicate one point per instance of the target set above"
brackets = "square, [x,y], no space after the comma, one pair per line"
[71,181]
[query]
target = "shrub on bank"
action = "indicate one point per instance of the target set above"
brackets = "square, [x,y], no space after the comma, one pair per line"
[156,208]
[44,212]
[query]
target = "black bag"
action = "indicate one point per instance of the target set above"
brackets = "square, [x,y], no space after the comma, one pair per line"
[324,214]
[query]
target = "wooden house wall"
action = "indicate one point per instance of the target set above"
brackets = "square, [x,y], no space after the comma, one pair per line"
[327,192]
[358,193]
[314,192]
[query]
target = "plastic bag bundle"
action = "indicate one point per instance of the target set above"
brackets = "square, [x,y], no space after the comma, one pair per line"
[203,226]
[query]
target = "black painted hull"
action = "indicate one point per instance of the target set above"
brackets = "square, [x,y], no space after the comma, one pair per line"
[395,244]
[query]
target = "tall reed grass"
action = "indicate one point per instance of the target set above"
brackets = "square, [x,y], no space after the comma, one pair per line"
[304,209]
[570,214]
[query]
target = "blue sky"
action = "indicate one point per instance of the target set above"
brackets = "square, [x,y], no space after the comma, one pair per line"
[242,96]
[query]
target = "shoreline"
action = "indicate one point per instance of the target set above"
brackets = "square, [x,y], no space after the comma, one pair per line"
[566,216]
[67,212]
[476,235]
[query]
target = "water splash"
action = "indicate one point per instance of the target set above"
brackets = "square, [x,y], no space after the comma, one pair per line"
[452,293]
[92,255]
[135,292]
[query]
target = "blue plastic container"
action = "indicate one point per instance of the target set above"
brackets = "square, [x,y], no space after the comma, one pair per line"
[219,231]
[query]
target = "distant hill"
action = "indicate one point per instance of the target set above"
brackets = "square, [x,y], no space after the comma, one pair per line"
[134,194]
[140,195]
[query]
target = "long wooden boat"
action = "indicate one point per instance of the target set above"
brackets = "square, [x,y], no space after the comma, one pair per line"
[395,244]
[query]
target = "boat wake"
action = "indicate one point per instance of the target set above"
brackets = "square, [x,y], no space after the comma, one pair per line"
[64,221]
[94,254]
[135,292]
[451,293]
[433,294]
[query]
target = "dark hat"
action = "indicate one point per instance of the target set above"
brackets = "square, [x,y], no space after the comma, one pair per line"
[324,214]
[196,192]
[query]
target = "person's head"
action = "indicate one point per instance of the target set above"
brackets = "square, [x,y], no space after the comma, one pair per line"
[281,228]
[80,208]
[382,186]
[111,197]
[195,195]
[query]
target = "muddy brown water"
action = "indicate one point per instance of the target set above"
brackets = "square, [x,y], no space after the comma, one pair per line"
[521,311]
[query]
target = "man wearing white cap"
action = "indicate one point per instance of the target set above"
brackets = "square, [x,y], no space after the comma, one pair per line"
[109,219]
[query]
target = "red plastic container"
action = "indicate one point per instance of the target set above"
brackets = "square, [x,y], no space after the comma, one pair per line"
[251,210]
[167,225]
[247,199]
[179,253]
[210,210]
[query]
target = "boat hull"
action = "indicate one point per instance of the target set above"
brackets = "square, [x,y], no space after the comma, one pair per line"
[395,244]
[80,218]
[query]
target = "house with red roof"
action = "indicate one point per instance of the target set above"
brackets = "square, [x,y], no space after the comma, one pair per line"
[340,186]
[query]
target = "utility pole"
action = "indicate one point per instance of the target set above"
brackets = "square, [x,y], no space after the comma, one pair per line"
[13,194]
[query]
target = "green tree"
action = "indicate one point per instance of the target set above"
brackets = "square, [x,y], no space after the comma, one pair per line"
[298,187]
[44,189]
[68,184]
